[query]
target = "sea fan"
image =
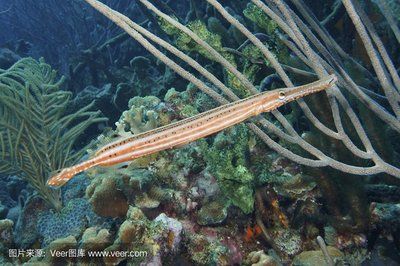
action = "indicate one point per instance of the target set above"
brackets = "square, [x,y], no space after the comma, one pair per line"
[36,135]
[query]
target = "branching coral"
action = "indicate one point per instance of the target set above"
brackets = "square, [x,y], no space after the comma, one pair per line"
[322,57]
[36,135]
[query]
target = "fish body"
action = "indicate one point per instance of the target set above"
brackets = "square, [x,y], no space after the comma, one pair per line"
[190,129]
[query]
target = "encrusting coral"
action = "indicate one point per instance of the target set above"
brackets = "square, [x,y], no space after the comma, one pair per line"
[36,135]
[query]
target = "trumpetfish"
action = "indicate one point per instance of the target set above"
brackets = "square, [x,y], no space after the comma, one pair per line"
[190,129]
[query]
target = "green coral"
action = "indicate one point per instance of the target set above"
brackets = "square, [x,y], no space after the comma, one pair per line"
[36,135]
[185,43]
[227,160]
[233,81]
[259,17]
[168,27]
[251,52]
[200,29]
[270,27]
[180,100]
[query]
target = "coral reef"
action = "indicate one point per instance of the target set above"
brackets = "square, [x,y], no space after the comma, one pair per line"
[94,239]
[229,199]
[207,252]
[156,238]
[11,194]
[62,246]
[196,179]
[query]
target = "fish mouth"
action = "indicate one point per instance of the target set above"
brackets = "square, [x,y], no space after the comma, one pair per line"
[52,183]
[56,181]
[294,94]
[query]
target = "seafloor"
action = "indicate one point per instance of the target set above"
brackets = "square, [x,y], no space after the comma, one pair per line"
[313,183]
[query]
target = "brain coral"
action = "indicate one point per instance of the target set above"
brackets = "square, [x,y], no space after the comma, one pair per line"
[71,221]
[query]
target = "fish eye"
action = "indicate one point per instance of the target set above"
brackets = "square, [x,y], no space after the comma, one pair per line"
[281,95]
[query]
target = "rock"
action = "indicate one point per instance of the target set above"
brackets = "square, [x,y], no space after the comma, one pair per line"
[316,257]
[382,193]
[144,201]
[7,58]
[6,234]
[331,235]
[203,250]
[385,215]
[61,245]
[174,228]
[212,213]
[25,227]
[259,258]
[107,200]
[94,239]
[384,252]
[3,211]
